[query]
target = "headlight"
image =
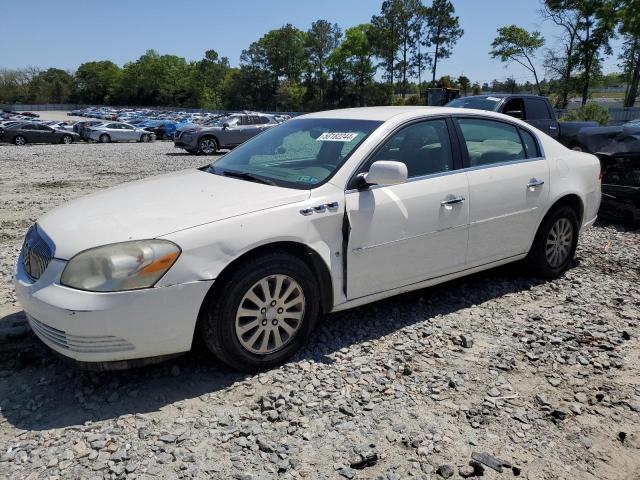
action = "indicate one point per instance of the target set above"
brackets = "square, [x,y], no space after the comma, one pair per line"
[120,266]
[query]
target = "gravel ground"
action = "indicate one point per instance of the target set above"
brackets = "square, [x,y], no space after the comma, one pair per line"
[495,372]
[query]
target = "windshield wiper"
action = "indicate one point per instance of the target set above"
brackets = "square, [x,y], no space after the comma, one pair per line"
[247,176]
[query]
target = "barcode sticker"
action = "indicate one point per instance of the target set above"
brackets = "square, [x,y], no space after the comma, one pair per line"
[337,137]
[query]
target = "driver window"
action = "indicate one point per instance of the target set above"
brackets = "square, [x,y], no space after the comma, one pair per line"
[425,148]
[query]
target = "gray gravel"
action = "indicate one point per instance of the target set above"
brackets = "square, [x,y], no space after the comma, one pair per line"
[496,375]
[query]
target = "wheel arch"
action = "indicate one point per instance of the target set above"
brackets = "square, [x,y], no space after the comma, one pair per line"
[308,255]
[572,199]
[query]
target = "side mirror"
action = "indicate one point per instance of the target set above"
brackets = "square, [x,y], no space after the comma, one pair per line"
[515,114]
[225,125]
[385,172]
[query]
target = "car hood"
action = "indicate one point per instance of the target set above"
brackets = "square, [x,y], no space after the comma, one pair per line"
[157,206]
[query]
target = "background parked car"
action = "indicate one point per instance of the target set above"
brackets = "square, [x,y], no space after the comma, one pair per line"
[226,132]
[22,133]
[118,132]
[163,129]
[81,128]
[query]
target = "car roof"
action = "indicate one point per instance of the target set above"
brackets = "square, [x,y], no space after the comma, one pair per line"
[383,114]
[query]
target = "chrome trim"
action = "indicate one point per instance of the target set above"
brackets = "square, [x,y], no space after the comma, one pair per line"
[534,182]
[506,215]
[452,201]
[502,164]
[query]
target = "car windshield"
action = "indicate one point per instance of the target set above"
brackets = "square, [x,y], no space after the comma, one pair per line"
[300,153]
[479,103]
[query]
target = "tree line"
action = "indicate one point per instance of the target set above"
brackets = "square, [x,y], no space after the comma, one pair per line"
[390,60]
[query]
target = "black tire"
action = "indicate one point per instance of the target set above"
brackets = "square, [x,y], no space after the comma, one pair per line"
[538,258]
[66,139]
[145,138]
[104,138]
[20,140]
[218,321]
[207,146]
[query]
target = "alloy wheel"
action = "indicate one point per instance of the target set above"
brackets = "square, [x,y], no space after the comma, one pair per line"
[559,242]
[208,146]
[20,141]
[270,314]
[66,140]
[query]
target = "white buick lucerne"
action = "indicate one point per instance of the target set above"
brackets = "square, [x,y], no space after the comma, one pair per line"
[325,212]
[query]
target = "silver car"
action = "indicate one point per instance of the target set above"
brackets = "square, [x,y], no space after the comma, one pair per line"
[118,132]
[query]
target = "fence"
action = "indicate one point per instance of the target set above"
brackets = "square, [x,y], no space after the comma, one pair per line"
[617,115]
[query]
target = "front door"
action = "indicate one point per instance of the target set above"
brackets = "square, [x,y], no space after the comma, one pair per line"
[508,188]
[407,233]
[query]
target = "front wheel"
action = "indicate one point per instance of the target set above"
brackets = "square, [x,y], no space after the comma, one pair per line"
[67,139]
[104,138]
[263,313]
[555,243]
[144,138]
[207,146]
[20,140]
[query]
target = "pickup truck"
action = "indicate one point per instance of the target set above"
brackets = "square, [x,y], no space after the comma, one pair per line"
[533,109]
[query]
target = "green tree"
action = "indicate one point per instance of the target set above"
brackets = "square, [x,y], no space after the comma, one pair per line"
[322,38]
[51,86]
[384,38]
[464,84]
[442,32]
[96,82]
[588,112]
[515,44]
[630,56]
[354,56]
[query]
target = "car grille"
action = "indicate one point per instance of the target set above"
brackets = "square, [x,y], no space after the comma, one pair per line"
[77,343]
[36,253]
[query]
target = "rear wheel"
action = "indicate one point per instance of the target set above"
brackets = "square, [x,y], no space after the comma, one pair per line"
[20,140]
[263,313]
[555,244]
[67,139]
[207,146]
[104,138]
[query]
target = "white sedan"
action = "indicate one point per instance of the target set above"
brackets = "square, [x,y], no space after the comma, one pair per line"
[324,212]
[118,132]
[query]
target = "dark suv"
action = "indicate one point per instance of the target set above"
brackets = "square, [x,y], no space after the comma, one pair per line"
[226,132]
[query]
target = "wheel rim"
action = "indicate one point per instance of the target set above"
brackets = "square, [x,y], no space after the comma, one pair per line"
[104,139]
[559,242]
[208,146]
[270,314]
[20,141]
[66,140]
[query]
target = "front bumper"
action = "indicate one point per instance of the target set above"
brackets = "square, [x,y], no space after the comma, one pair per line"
[185,141]
[109,327]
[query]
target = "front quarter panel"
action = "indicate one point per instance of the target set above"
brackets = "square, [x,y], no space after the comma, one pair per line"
[208,249]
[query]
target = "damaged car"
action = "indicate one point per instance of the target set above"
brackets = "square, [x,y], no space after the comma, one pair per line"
[322,213]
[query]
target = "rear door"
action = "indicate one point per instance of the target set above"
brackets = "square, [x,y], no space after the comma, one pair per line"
[33,133]
[508,188]
[129,133]
[540,115]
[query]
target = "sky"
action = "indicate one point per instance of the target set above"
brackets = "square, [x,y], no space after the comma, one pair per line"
[66,33]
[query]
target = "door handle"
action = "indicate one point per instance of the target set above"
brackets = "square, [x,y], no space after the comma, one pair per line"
[534,183]
[452,201]
[552,127]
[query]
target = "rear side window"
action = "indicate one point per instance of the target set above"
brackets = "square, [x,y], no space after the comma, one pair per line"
[490,142]
[530,144]
[537,109]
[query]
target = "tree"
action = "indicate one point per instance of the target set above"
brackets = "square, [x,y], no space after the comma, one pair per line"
[442,32]
[96,82]
[51,86]
[385,38]
[280,52]
[322,38]
[354,55]
[464,83]
[562,63]
[515,44]
[630,56]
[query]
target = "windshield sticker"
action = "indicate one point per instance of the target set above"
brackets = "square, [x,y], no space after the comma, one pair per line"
[494,99]
[336,137]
